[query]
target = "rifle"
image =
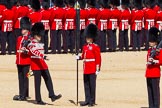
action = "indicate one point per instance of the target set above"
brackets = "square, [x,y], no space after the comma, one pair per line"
[77,7]
[25,44]
[153,52]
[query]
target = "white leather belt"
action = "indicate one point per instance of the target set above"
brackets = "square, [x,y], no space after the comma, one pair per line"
[91,19]
[89,60]
[149,22]
[45,21]
[57,20]
[113,20]
[138,21]
[69,20]
[36,57]
[7,21]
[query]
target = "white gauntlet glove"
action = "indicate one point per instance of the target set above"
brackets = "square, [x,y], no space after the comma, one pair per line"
[77,57]
[97,72]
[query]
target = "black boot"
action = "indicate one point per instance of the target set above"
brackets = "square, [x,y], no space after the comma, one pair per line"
[19,98]
[84,103]
[55,97]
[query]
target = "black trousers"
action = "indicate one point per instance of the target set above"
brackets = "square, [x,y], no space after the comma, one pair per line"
[48,81]
[45,41]
[153,92]
[7,37]
[90,88]
[123,39]
[56,40]
[69,40]
[137,40]
[147,39]
[112,39]
[17,33]
[23,80]
[82,39]
[102,40]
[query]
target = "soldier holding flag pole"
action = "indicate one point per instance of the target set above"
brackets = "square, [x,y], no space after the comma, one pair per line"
[92,62]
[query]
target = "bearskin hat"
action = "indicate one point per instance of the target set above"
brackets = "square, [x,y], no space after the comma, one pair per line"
[38,29]
[91,2]
[152,3]
[45,4]
[35,4]
[59,3]
[115,2]
[138,4]
[160,3]
[25,23]
[91,31]
[71,2]
[154,34]
[103,3]
[9,4]
[82,3]
[125,2]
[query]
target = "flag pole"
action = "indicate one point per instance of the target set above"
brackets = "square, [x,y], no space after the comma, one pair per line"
[77,7]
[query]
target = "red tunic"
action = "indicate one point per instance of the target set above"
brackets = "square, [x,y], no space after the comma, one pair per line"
[57,18]
[20,12]
[35,17]
[92,15]
[83,18]
[2,7]
[124,19]
[36,52]
[91,57]
[159,20]
[103,18]
[149,18]
[45,18]
[7,20]
[156,8]
[154,70]
[21,58]
[136,20]
[114,19]
[70,16]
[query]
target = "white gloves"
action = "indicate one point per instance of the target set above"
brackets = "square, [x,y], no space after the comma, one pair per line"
[151,61]
[77,57]
[97,72]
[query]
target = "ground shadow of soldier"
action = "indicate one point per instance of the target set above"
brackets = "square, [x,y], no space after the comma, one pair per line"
[34,102]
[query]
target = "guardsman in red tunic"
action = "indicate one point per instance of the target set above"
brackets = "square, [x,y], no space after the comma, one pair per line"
[7,28]
[113,24]
[20,12]
[103,18]
[69,27]
[2,7]
[158,19]
[149,20]
[23,59]
[136,24]
[46,14]
[83,18]
[35,15]
[92,12]
[92,62]
[153,70]
[56,21]
[38,64]
[124,26]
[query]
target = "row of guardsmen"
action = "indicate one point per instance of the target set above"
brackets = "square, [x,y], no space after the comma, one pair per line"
[60,21]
